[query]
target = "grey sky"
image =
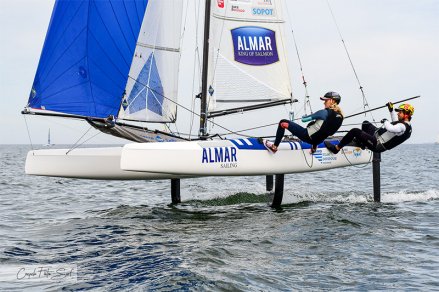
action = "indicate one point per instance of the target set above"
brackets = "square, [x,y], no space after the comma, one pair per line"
[394,45]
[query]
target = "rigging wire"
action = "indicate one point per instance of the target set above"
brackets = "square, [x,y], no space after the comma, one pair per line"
[180,105]
[365,103]
[305,84]
[344,125]
[217,54]
[180,52]
[98,133]
[198,62]
[28,133]
[76,143]
[255,128]
[283,42]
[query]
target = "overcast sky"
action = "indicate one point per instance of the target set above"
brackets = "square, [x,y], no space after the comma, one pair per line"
[394,45]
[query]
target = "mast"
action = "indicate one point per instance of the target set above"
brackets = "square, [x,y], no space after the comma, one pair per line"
[203,109]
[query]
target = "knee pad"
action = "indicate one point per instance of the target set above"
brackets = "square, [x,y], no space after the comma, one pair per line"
[284,125]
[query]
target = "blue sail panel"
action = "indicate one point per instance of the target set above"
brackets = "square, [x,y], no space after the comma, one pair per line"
[155,92]
[86,58]
[147,92]
[137,98]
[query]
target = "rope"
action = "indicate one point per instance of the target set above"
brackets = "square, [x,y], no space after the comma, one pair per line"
[306,160]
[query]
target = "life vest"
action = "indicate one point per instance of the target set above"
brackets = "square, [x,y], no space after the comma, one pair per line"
[389,140]
[319,130]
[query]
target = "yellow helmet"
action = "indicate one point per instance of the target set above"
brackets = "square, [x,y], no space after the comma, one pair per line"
[406,108]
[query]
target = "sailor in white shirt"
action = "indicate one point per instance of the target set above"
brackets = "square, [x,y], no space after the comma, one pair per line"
[390,135]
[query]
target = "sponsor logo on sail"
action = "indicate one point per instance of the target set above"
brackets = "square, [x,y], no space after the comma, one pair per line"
[220,3]
[224,156]
[263,11]
[254,45]
[236,8]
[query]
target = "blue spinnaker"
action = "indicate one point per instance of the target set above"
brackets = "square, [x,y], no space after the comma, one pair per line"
[86,58]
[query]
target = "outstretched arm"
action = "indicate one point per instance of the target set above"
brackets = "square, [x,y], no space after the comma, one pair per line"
[398,129]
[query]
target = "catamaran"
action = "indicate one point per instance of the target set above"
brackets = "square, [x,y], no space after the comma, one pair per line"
[118,65]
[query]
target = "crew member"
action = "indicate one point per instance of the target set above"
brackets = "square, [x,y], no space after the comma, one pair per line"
[390,135]
[323,123]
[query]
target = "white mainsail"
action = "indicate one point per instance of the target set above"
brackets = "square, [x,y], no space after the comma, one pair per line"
[248,60]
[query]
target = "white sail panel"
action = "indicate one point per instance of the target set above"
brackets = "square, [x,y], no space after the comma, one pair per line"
[248,62]
[151,90]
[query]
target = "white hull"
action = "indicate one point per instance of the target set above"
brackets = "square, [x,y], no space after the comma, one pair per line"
[238,157]
[85,163]
[166,160]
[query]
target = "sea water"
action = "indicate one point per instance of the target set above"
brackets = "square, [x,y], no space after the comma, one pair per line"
[70,234]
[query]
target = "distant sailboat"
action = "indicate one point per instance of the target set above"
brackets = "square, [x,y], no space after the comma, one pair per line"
[49,143]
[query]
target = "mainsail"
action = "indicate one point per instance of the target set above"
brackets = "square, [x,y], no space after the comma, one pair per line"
[249,60]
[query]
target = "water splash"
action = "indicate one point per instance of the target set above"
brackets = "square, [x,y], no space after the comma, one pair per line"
[409,196]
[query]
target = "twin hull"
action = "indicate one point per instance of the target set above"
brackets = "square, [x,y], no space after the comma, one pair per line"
[150,161]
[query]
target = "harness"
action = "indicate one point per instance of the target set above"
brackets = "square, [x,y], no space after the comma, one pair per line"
[389,140]
[319,130]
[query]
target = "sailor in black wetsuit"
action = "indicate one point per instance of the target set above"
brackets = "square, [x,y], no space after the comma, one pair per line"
[390,135]
[323,123]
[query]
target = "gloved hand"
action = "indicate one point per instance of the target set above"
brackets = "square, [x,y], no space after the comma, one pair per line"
[383,121]
[390,106]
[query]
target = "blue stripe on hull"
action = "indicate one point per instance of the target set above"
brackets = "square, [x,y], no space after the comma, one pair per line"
[254,144]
